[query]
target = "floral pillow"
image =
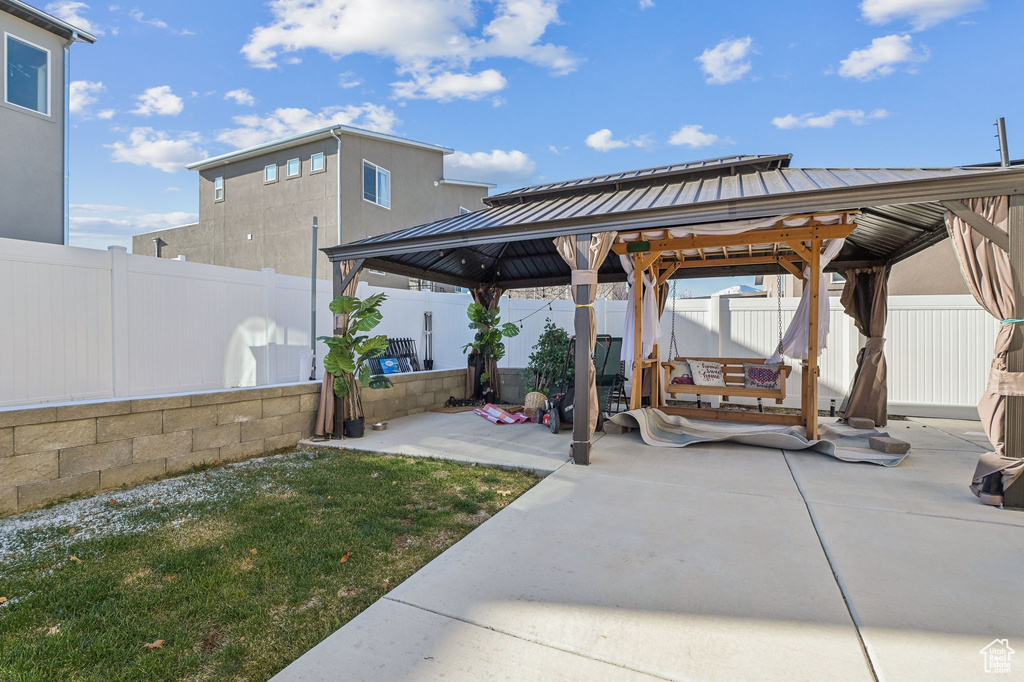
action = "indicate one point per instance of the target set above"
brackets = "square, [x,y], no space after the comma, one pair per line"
[680,373]
[707,373]
[760,375]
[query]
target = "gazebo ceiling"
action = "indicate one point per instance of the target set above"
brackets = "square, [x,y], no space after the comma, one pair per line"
[898,213]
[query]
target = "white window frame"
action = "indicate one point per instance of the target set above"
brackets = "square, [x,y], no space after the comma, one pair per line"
[463,210]
[288,168]
[49,75]
[220,189]
[277,173]
[376,189]
[323,163]
[832,278]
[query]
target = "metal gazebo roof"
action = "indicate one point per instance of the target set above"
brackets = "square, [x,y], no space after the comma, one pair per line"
[510,242]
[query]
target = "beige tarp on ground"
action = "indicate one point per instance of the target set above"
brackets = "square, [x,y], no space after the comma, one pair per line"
[325,412]
[986,269]
[600,245]
[866,299]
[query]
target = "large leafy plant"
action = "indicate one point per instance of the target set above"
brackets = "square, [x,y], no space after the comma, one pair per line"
[488,342]
[350,353]
[547,366]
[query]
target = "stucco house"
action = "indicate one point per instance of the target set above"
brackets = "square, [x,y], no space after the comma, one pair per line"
[256,205]
[36,55]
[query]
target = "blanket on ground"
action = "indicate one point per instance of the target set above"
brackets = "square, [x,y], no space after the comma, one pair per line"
[838,440]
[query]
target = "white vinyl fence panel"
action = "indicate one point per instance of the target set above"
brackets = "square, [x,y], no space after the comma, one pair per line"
[80,323]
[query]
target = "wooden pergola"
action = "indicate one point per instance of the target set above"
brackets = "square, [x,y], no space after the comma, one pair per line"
[793,249]
[549,235]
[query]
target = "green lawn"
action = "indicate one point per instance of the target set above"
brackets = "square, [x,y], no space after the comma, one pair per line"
[237,569]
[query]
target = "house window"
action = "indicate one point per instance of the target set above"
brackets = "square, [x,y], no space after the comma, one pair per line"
[293,168]
[218,188]
[27,75]
[270,173]
[836,278]
[316,162]
[376,184]
[463,210]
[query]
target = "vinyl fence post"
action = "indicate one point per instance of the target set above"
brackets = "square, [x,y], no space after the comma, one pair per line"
[267,373]
[120,364]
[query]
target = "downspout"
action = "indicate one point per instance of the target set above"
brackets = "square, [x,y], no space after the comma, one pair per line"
[334,134]
[67,136]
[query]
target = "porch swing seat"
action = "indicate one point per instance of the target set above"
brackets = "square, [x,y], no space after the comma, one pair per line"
[733,375]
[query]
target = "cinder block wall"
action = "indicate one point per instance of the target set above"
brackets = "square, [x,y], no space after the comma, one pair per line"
[51,452]
[413,393]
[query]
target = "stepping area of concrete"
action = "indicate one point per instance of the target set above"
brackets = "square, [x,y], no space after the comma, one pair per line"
[714,562]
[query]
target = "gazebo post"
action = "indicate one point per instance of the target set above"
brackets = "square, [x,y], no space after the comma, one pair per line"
[581,444]
[636,381]
[810,394]
[1013,496]
[340,282]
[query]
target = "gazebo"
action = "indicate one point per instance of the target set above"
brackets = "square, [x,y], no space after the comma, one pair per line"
[740,215]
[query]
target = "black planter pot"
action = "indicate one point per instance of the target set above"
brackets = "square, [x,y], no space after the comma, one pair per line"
[354,428]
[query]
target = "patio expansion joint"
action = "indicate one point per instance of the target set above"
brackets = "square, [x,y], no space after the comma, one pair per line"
[573,652]
[835,575]
[915,513]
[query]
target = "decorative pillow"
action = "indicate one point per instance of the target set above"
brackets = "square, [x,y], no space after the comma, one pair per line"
[760,375]
[680,373]
[706,373]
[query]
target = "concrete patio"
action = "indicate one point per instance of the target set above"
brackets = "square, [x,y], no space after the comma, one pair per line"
[716,562]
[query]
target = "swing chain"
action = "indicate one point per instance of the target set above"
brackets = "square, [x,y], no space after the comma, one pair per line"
[778,297]
[673,350]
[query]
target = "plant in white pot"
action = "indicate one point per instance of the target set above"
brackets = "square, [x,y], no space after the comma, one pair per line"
[350,355]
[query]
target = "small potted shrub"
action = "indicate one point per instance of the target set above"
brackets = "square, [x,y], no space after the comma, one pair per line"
[547,366]
[350,353]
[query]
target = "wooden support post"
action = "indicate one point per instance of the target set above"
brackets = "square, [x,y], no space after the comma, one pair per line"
[636,381]
[1013,497]
[581,445]
[810,397]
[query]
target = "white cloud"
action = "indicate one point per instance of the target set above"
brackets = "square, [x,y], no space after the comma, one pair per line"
[922,14]
[727,61]
[254,129]
[159,100]
[83,94]
[347,80]
[106,114]
[604,141]
[71,12]
[104,226]
[646,4]
[498,166]
[425,37]
[855,116]
[241,97]
[693,136]
[159,23]
[881,57]
[156,149]
[446,86]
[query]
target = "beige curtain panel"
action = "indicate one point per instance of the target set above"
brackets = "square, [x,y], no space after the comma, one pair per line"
[487,295]
[584,292]
[866,299]
[326,411]
[986,269]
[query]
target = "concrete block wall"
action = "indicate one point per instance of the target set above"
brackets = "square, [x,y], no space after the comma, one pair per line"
[413,393]
[51,452]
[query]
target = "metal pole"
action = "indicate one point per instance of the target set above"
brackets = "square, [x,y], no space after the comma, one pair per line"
[312,306]
[1004,153]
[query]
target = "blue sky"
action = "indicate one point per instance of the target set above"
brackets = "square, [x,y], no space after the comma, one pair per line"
[529,90]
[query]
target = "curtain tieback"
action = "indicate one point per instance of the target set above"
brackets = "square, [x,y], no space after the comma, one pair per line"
[584,305]
[1010,321]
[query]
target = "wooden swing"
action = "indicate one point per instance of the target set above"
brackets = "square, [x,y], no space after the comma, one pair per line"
[794,244]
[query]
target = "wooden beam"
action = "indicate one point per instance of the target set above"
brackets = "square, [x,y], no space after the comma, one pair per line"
[810,397]
[667,273]
[792,268]
[801,250]
[979,223]
[734,415]
[706,241]
[737,261]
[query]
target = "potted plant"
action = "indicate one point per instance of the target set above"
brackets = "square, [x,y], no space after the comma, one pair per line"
[547,366]
[487,347]
[350,353]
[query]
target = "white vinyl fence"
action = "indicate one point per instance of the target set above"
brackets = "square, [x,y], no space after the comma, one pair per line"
[80,323]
